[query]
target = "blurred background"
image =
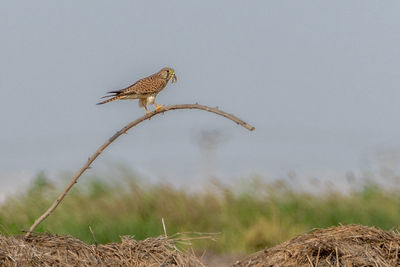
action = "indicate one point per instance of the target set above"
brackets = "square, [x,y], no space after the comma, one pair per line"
[318,80]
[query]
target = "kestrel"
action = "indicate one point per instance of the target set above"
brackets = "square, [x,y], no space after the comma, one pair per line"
[145,89]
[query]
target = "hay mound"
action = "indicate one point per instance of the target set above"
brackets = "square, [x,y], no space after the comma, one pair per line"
[49,250]
[351,245]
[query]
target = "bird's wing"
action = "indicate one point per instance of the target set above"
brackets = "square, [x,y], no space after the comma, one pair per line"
[143,88]
[146,86]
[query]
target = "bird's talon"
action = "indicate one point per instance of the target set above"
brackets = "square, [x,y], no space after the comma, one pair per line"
[159,107]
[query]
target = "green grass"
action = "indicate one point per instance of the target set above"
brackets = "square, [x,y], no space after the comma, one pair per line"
[248,219]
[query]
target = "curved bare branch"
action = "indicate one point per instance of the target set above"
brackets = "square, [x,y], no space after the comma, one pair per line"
[118,134]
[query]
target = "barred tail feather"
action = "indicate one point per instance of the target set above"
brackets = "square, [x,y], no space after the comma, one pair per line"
[111,99]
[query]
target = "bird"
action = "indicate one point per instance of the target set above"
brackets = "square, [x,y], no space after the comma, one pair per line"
[145,89]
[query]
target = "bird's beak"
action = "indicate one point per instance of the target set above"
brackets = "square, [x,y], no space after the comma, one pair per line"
[174,78]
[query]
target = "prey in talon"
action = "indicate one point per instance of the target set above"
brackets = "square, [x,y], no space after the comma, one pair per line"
[145,89]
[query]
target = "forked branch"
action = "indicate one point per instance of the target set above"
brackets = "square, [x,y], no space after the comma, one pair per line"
[119,133]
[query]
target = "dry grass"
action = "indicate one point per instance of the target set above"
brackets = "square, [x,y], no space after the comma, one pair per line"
[50,250]
[351,245]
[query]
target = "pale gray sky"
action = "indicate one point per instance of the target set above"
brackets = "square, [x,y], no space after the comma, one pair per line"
[319,80]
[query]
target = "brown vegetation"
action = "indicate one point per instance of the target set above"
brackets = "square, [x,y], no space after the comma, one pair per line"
[49,250]
[351,245]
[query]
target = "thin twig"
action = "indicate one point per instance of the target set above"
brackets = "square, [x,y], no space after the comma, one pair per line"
[337,257]
[165,228]
[118,134]
[94,238]
[309,261]
[317,259]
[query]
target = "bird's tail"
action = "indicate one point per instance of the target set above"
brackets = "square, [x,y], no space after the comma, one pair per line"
[110,99]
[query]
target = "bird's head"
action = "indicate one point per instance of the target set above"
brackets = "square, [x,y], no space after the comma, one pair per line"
[168,73]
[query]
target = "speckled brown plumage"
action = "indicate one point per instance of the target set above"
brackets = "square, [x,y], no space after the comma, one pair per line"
[145,89]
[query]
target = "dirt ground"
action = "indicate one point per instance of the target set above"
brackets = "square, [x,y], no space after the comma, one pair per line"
[210,259]
[351,245]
